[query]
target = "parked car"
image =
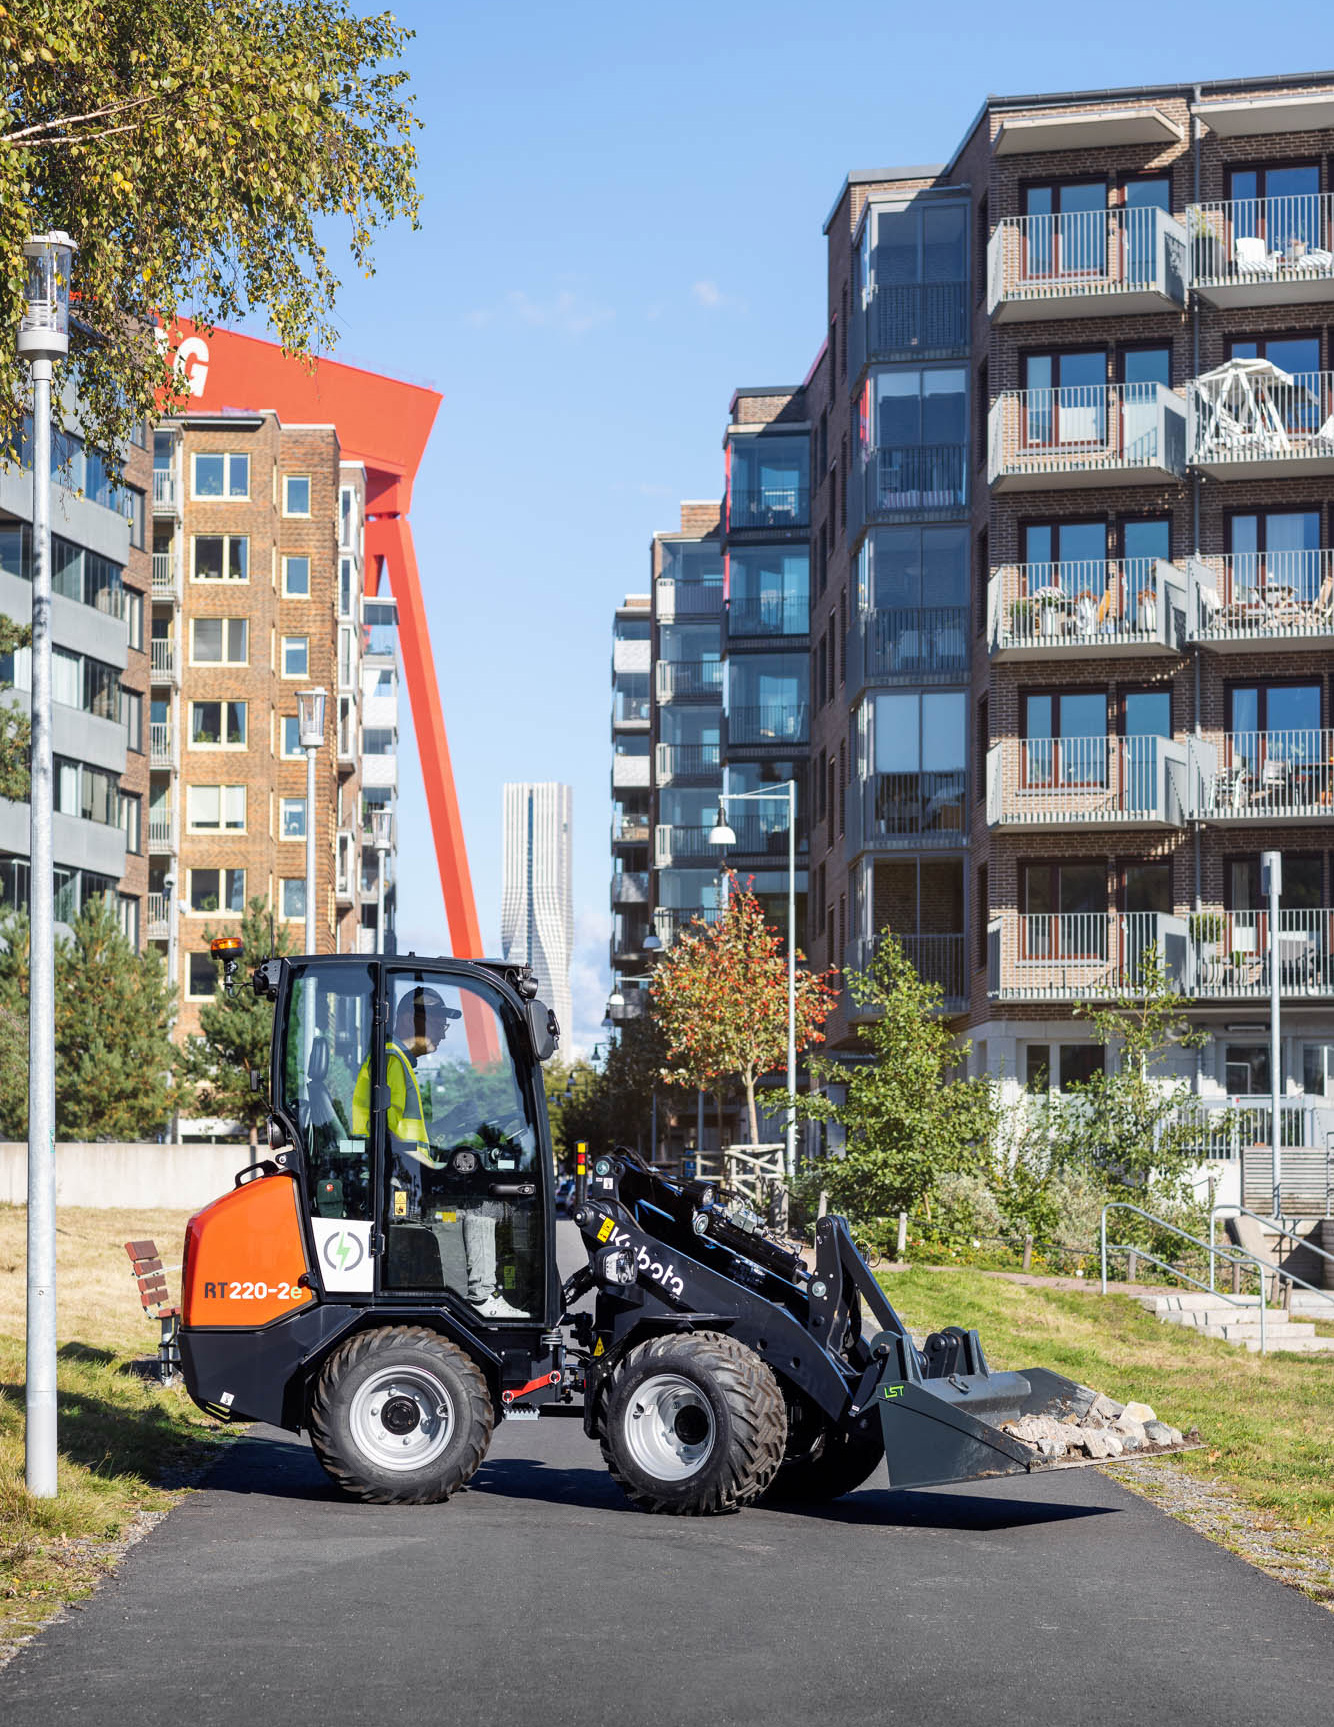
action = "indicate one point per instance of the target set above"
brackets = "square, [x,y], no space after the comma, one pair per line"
[565,1193]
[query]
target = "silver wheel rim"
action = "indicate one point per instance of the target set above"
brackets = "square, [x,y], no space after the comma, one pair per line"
[669,1427]
[402,1417]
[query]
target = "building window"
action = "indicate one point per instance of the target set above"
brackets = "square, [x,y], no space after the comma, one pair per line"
[91,794]
[981,915]
[221,475]
[1079,1063]
[134,512]
[347,516]
[217,890]
[296,578]
[1037,1067]
[292,812]
[296,656]
[131,819]
[128,910]
[293,896]
[202,981]
[215,809]
[132,716]
[380,741]
[219,641]
[1247,1070]
[345,587]
[134,618]
[291,744]
[221,558]
[218,725]
[296,494]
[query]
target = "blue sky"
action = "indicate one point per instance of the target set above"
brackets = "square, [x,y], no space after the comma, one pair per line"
[622,215]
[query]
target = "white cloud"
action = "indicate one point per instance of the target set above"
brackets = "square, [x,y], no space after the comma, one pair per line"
[708,294]
[568,312]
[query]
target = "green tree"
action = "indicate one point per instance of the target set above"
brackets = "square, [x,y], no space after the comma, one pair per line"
[908,1118]
[719,999]
[202,154]
[113,1047]
[15,730]
[236,1030]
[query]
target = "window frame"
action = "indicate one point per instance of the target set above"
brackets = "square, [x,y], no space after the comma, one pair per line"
[298,515]
[226,495]
[224,579]
[290,558]
[225,659]
[192,826]
[221,703]
[285,642]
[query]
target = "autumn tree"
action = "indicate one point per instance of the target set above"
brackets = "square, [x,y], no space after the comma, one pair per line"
[15,728]
[719,998]
[202,154]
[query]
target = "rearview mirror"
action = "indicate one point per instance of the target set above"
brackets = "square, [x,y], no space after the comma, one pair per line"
[543,1029]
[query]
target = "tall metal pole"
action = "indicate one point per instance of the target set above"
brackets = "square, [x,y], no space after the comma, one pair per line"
[379,903]
[1271,867]
[310,848]
[791,1153]
[41,1342]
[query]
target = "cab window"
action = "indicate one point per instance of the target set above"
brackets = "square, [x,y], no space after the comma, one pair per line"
[328,1043]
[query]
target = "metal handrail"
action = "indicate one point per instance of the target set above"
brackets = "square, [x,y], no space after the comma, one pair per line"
[1278,1271]
[1239,1257]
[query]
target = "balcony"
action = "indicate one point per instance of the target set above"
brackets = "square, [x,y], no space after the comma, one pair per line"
[926,645]
[1086,435]
[768,507]
[674,845]
[631,656]
[162,660]
[689,680]
[161,744]
[771,614]
[1099,607]
[1249,421]
[908,812]
[1070,956]
[630,713]
[908,483]
[630,887]
[1232,959]
[379,769]
[1263,251]
[166,493]
[166,582]
[770,724]
[909,321]
[671,921]
[1253,598]
[1265,777]
[629,772]
[156,920]
[1086,264]
[938,959]
[678,600]
[630,830]
[1087,782]
[689,764]
[759,833]
[161,827]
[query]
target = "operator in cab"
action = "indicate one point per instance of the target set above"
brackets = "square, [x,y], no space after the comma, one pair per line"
[419,1142]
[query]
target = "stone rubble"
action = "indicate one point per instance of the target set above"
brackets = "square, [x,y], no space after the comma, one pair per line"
[1094,1426]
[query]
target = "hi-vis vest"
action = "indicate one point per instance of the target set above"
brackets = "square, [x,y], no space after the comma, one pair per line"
[405,1117]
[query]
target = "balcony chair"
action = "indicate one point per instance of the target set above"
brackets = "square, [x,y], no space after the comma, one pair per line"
[1252,257]
[1087,614]
[1227,790]
[1322,607]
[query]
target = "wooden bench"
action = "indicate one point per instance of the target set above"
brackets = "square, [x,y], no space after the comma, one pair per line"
[146,1263]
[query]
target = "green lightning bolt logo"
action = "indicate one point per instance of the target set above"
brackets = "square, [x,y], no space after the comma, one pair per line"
[343,1249]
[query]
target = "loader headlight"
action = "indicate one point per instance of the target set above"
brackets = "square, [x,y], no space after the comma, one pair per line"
[617,1265]
[707,1197]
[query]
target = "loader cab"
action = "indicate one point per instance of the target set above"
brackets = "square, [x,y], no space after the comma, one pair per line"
[413,1093]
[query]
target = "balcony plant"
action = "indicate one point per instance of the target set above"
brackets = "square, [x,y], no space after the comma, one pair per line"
[1023,617]
[1206,928]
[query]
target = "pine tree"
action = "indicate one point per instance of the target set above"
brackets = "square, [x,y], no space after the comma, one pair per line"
[236,1030]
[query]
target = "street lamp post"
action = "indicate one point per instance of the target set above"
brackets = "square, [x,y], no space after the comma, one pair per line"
[722,835]
[43,338]
[382,824]
[169,905]
[310,731]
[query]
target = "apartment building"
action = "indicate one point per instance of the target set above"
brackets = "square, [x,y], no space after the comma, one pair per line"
[100,577]
[537,888]
[630,813]
[257,593]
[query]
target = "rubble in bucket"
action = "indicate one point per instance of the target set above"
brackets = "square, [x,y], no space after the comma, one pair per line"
[1097,1427]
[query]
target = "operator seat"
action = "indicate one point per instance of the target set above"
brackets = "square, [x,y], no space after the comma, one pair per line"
[323,1129]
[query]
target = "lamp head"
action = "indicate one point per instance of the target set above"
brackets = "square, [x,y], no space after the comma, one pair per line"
[310,718]
[382,828]
[44,326]
[720,834]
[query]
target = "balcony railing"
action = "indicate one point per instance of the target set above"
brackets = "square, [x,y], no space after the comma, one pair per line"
[1233,960]
[679,763]
[1127,605]
[164,574]
[1266,776]
[909,482]
[689,680]
[758,833]
[630,887]
[909,810]
[769,507]
[681,599]
[675,844]
[928,642]
[158,906]
[1086,434]
[670,921]
[630,830]
[774,614]
[1258,427]
[1263,251]
[162,657]
[938,959]
[1254,597]
[1067,956]
[1095,781]
[1086,263]
[160,746]
[909,320]
[161,827]
[631,710]
[165,490]
[769,723]
[628,771]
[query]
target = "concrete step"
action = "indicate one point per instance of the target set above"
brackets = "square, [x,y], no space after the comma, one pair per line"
[1280,1336]
[1293,1345]
[1192,1300]
[1221,1315]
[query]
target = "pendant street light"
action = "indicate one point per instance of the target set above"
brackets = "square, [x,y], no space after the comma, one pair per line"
[382,828]
[310,732]
[722,835]
[43,338]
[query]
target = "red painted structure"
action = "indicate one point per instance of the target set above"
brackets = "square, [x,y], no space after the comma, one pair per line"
[384,424]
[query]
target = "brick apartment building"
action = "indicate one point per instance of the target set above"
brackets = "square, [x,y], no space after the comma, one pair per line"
[1071,438]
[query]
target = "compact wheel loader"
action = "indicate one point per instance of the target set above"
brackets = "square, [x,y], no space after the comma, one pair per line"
[385,1279]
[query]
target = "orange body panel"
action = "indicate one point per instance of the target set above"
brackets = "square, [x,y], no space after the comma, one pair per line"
[245,1256]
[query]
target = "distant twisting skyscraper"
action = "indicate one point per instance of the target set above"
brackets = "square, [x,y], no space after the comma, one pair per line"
[537,904]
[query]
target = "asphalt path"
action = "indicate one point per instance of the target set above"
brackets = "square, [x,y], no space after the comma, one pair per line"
[539,1597]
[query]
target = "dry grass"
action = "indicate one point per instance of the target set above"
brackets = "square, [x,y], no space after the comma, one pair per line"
[123,1441]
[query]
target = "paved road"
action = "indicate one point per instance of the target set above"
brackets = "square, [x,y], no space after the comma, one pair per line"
[539,1597]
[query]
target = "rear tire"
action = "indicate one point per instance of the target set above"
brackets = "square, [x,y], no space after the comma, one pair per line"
[823,1462]
[400,1416]
[694,1425]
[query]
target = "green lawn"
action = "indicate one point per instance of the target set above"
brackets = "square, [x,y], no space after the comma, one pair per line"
[1267,1422]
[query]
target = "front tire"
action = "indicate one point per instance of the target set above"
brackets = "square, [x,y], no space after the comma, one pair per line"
[694,1425]
[823,1462]
[400,1416]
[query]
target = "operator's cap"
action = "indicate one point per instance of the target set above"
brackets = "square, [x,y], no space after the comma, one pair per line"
[428,1003]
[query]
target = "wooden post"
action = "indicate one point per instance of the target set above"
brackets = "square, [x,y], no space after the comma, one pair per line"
[901,1243]
[1028,1253]
[1236,1277]
[1132,1266]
